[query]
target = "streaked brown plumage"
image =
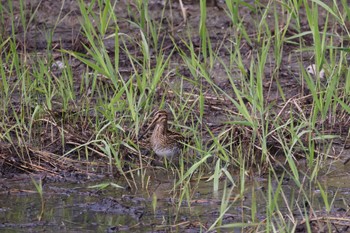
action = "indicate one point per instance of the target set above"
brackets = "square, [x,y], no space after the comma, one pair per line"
[164,142]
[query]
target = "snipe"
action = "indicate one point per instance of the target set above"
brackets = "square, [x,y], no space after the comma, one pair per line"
[164,142]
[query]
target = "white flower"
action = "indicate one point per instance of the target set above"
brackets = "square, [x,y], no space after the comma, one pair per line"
[311,69]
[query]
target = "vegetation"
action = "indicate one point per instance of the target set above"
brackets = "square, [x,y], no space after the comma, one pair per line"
[245,100]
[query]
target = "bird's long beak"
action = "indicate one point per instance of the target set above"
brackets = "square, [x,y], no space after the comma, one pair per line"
[148,128]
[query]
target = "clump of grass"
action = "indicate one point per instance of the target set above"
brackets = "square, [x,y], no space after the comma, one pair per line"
[39,189]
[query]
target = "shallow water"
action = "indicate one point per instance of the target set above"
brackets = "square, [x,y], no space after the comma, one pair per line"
[74,207]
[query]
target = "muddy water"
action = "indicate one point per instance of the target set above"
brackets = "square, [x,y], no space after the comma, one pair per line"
[74,207]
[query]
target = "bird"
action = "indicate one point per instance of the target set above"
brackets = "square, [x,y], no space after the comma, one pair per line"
[164,143]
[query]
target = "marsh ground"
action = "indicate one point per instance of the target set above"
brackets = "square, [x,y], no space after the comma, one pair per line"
[72,116]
